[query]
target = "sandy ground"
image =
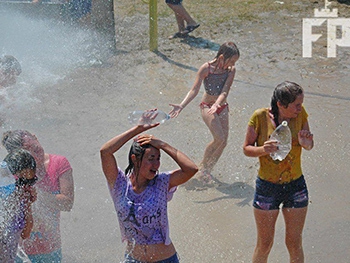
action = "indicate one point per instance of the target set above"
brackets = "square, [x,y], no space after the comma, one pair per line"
[75,94]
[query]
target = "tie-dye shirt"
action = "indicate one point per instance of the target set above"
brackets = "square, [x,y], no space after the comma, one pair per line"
[143,217]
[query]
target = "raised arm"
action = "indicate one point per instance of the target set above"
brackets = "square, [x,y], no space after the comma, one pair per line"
[109,162]
[305,137]
[187,167]
[201,74]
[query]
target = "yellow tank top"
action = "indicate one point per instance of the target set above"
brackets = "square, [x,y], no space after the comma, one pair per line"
[278,171]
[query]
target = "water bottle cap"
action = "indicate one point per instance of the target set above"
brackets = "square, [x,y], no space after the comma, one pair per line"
[284,123]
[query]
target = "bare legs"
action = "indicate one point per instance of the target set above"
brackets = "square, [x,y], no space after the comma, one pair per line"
[295,219]
[218,126]
[182,16]
[265,222]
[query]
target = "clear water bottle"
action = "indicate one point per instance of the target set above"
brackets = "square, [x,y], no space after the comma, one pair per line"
[23,255]
[283,137]
[147,117]
[7,180]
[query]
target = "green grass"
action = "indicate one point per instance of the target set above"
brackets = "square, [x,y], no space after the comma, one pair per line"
[213,12]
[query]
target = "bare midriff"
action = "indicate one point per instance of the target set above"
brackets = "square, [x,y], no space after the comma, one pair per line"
[150,253]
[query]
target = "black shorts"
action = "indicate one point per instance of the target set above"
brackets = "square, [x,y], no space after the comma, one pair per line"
[173,2]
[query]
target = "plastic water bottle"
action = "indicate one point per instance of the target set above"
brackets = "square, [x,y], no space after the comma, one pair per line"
[283,137]
[147,117]
[7,180]
[22,255]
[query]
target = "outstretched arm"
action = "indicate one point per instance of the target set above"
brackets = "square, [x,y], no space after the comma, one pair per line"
[109,163]
[201,74]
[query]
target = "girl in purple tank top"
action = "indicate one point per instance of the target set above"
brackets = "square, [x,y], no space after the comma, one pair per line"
[140,194]
[217,76]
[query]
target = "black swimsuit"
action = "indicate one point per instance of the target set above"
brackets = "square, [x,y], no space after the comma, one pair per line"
[214,83]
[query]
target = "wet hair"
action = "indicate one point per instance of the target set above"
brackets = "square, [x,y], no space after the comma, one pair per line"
[20,159]
[139,152]
[13,140]
[10,64]
[285,92]
[228,50]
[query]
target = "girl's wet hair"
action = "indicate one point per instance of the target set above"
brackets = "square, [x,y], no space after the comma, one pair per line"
[228,50]
[13,140]
[20,159]
[285,92]
[139,152]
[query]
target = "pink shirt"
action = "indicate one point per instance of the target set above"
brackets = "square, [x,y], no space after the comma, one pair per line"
[45,236]
[143,217]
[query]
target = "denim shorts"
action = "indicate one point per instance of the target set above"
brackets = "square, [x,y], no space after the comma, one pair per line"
[173,2]
[269,196]
[172,259]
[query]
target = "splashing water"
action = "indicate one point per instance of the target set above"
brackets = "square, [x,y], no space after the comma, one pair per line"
[48,50]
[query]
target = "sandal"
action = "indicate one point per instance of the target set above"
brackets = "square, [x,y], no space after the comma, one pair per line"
[189,29]
[179,35]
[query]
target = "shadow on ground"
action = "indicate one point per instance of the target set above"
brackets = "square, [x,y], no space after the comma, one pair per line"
[237,190]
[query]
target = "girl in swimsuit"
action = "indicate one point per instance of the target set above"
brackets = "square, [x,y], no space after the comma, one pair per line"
[217,76]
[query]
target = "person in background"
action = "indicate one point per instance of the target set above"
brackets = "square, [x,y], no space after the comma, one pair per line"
[217,76]
[10,69]
[141,193]
[16,220]
[55,192]
[280,182]
[185,22]
[80,11]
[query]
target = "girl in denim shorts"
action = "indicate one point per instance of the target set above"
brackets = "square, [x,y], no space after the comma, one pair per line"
[280,183]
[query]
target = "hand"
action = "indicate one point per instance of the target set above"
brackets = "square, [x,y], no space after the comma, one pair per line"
[270,146]
[149,139]
[29,194]
[147,118]
[175,111]
[306,139]
[214,108]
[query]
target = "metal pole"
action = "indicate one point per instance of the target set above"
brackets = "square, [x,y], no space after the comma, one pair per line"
[153,25]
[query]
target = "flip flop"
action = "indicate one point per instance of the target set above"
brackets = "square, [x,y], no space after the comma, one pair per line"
[179,35]
[189,29]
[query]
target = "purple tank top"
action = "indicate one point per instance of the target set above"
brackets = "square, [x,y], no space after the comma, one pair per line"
[143,217]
